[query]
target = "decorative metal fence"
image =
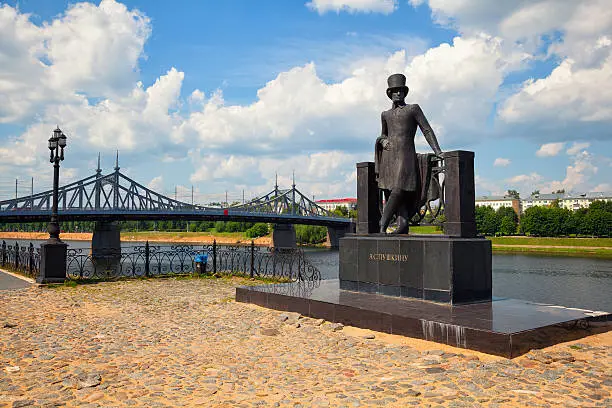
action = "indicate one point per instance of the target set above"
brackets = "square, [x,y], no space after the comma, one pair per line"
[21,259]
[154,260]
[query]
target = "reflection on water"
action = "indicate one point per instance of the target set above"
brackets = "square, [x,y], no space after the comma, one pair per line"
[568,281]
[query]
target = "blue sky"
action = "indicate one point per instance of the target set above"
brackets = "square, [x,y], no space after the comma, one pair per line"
[223,95]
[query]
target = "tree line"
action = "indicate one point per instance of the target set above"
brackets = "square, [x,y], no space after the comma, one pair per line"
[251,230]
[551,221]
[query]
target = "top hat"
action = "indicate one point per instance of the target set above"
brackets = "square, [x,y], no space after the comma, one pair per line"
[396,81]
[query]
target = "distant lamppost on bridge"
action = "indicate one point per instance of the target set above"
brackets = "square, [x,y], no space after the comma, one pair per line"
[53,251]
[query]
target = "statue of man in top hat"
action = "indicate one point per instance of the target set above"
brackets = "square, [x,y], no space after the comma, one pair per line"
[396,165]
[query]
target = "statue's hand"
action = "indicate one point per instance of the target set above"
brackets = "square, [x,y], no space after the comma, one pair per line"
[385,144]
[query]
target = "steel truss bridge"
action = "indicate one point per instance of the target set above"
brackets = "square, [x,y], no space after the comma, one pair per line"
[116,197]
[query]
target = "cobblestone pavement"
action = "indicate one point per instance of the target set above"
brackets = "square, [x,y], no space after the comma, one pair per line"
[169,342]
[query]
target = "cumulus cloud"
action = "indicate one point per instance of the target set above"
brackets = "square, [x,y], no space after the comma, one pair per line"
[353,6]
[156,183]
[89,51]
[522,178]
[577,147]
[323,173]
[501,162]
[579,176]
[578,34]
[603,187]
[454,83]
[90,86]
[550,149]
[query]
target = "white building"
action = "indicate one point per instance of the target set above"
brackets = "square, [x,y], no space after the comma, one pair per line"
[497,202]
[541,200]
[332,204]
[569,201]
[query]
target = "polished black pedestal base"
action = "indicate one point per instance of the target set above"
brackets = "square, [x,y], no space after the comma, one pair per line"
[429,267]
[504,327]
[52,262]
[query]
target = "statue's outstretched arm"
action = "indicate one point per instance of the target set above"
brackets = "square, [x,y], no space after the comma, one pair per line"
[427,130]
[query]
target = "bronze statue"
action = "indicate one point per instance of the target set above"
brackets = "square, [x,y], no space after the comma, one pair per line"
[399,173]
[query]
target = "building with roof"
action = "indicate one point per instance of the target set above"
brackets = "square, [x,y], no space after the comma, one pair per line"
[570,201]
[332,204]
[497,202]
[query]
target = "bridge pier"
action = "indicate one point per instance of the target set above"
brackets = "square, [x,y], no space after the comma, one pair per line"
[335,233]
[106,247]
[283,236]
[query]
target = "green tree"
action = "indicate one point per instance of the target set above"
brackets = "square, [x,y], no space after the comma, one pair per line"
[487,221]
[341,211]
[260,229]
[533,220]
[513,194]
[601,205]
[508,221]
[507,226]
[310,234]
[598,223]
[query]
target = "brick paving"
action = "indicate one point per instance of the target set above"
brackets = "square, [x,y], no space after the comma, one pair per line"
[173,342]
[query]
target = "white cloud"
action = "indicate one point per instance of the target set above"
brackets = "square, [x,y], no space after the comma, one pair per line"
[568,94]
[603,187]
[95,49]
[90,50]
[578,174]
[550,149]
[455,84]
[523,178]
[485,186]
[353,6]
[326,173]
[577,147]
[579,34]
[501,162]
[156,184]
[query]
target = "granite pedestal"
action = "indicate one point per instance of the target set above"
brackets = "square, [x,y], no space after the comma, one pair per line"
[428,267]
[504,327]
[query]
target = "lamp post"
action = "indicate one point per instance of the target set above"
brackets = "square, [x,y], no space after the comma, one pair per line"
[57,143]
[53,251]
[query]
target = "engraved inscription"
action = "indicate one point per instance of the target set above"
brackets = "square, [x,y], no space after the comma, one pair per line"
[388,257]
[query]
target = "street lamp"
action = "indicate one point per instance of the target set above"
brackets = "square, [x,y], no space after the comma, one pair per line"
[53,251]
[57,143]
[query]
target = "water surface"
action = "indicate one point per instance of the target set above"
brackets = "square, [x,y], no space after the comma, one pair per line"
[567,281]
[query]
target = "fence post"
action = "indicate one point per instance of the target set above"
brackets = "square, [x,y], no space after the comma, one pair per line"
[252,258]
[31,260]
[147,253]
[16,255]
[214,256]
[3,252]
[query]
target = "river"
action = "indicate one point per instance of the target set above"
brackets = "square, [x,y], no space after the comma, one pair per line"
[567,281]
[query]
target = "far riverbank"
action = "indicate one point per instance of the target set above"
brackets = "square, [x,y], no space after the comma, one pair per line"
[581,247]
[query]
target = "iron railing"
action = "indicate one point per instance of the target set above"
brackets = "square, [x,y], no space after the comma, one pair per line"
[21,259]
[152,260]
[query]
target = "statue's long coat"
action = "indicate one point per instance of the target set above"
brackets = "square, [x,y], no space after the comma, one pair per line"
[397,165]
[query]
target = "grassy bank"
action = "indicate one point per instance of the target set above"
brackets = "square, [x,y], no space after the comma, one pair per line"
[579,247]
[573,242]
[587,252]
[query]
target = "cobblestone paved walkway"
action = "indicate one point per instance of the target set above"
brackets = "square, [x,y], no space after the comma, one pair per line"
[166,343]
